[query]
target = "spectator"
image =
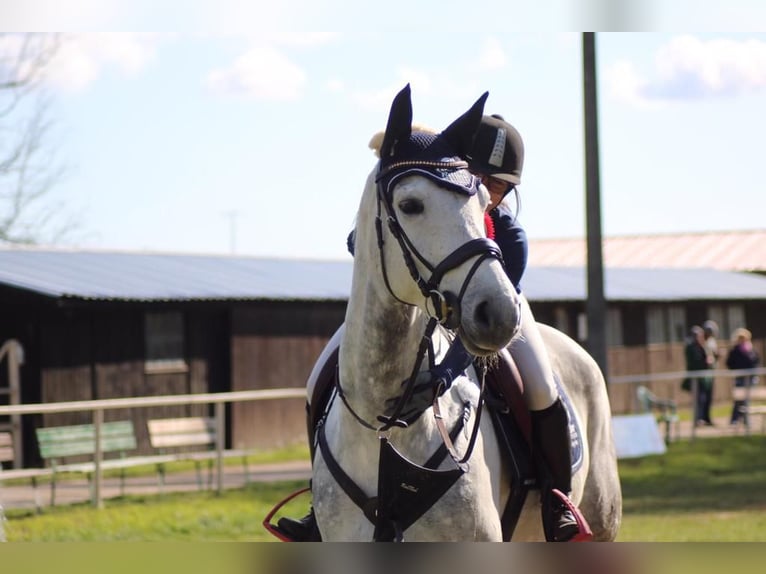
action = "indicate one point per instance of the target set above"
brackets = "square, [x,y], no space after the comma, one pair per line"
[741,356]
[697,359]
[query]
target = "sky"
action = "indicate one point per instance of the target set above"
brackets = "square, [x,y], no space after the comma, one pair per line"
[245,138]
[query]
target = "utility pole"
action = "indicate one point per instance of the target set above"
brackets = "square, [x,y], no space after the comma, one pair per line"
[596,304]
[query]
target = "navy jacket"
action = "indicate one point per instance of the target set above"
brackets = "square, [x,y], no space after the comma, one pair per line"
[512,240]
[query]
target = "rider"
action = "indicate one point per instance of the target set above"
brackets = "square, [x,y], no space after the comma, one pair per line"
[497,158]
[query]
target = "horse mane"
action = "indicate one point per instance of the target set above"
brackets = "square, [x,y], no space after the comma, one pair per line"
[377,140]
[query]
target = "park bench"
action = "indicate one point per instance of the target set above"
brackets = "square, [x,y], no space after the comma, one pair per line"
[170,435]
[666,410]
[6,447]
[59,443]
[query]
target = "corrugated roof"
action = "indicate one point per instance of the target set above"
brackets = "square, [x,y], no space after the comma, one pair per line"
[160,277]
[625,284]
[730,250]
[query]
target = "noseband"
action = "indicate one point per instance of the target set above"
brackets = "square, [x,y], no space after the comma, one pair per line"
[445,304]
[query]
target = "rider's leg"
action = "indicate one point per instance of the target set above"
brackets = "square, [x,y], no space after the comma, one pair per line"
[550,426]
[305,529]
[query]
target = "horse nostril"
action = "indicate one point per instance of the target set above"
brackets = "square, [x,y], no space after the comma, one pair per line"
[482,315]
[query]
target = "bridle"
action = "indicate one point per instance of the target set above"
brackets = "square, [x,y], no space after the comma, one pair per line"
[446,305]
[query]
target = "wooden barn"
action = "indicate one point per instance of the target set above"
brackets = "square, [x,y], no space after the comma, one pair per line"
[645,332]
[97,325]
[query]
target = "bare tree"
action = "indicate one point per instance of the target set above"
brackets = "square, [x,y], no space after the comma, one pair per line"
[28,169]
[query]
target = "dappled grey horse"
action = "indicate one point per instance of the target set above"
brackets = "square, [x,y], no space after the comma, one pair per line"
[425,271]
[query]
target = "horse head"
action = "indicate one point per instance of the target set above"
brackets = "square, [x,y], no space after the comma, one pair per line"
[429,242]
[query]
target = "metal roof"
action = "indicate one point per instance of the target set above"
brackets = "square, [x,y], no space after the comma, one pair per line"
[126,276]
[161,277]
[625,284]
[728,250]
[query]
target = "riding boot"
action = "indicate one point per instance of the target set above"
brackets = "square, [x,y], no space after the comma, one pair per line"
[303,529]
[320,384]
[551,440]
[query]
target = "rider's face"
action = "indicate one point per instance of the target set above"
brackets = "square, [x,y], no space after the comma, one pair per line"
[497,189]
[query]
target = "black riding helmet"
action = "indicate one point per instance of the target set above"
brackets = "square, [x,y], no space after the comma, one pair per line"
[497,150]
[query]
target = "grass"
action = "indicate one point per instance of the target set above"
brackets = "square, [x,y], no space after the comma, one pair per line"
[706,490]
[235,516]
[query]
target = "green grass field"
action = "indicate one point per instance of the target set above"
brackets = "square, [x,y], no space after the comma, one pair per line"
[709,490]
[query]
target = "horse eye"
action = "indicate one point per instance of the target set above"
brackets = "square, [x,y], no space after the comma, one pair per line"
[411,206]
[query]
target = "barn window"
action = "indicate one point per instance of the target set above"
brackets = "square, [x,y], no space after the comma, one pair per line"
[728,318]
[665,323]
[164,340]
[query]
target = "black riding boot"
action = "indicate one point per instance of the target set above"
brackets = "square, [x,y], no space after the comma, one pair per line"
[303,529]
[550,434]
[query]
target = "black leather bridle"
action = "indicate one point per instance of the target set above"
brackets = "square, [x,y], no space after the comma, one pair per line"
[444,304]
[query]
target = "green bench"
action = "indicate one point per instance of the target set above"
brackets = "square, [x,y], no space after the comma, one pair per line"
[58,443]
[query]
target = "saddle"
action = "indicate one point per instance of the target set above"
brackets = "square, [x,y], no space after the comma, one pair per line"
[510,417]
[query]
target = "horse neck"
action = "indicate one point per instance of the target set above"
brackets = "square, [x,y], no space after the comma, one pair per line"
[379,348]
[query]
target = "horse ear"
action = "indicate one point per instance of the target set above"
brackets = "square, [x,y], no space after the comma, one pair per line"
[399,122]
[462,131]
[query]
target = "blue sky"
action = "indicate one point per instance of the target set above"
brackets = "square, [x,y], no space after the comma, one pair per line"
[166,135]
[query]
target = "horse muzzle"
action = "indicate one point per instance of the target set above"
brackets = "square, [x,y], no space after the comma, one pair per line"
[487,325]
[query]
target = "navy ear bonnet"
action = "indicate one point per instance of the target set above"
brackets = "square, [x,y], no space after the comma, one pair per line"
[439,157]
[428,155]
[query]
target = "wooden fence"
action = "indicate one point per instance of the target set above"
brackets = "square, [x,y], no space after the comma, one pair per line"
[97,408]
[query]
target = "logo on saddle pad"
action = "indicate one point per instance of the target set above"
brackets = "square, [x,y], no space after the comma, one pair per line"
[575,433]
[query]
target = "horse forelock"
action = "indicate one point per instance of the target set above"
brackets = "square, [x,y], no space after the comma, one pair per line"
[377,140]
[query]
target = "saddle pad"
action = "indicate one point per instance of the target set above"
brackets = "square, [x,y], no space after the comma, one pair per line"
[575,433]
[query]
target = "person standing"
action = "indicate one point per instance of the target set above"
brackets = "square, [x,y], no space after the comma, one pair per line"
[710,329]
[697,359]
[741,356]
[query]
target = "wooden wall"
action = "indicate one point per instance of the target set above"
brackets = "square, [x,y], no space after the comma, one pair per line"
[98,353]
[96,350]
[276,346]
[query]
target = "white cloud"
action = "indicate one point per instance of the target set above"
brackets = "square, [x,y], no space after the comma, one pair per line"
[492,55]
[262,72]
[624,83]
[688,68]
[265,71]
[82,57]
